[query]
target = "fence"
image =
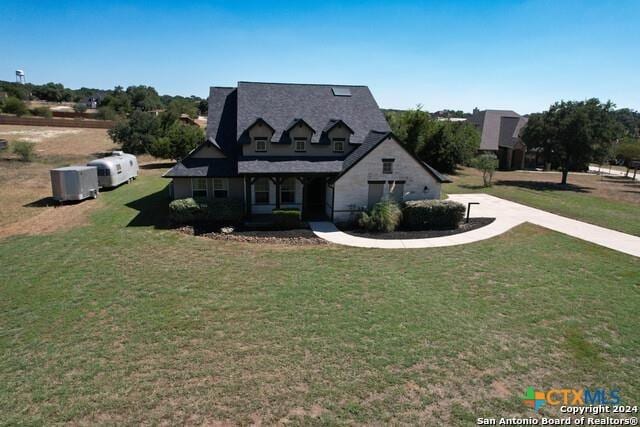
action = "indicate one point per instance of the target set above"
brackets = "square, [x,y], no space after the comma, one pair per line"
[67,123]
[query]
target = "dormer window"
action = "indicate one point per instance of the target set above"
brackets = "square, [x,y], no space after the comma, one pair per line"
[301,144]
[387,166]
[338,145]
[261,144]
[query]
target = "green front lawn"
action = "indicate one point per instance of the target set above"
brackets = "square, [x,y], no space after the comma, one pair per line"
[571,202]
[122,322]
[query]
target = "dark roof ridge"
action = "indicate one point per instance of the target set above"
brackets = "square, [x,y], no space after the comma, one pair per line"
[301,84]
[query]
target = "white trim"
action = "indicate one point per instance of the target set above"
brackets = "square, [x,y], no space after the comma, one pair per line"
[261,140]
[304,145]
[225,187]
[206,187]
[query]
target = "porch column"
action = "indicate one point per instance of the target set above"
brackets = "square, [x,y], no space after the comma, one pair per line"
[247,200]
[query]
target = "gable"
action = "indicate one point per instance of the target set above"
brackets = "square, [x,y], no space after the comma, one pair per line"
[207,151]
[387,147]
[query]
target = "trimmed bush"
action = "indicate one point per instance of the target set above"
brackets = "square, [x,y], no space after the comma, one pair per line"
[286,219]
[384,216]
[224,210]
[432,214]
[187,211]
[24,149]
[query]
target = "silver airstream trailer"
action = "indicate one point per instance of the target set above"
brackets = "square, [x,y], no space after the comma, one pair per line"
[116,169]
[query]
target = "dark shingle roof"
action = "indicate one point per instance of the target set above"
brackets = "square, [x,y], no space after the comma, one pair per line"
[202,167]
[285,165]
[279,103]
[499,128]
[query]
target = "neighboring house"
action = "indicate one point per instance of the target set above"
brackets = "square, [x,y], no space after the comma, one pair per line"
[500,134]
[325,149]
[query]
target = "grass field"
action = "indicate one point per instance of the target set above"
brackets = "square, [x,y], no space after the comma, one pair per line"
[120,321]
[612,202]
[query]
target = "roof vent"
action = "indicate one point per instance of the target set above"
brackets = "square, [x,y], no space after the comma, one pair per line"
[341,91]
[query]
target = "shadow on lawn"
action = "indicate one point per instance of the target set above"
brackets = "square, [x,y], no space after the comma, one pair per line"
[153,210]
[544,186]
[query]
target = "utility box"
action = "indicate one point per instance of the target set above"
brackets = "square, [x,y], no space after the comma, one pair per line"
[74,183]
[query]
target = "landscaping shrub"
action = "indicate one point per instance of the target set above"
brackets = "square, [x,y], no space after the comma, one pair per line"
[286,219]
[384,216]
[14,106]
[186,211]
[23,149]
[432,214]
[487,164]
[224,210]
[41,112]
[80,107]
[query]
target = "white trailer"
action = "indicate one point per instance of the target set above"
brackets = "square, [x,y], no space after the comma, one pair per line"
[116,169]
[74,183]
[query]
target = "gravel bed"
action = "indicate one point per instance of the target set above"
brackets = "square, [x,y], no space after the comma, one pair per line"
[284,237]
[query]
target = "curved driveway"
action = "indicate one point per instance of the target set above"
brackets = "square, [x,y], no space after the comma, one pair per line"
[507,214]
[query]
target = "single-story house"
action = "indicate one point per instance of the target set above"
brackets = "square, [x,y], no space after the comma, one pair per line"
[324,149]
[500,134]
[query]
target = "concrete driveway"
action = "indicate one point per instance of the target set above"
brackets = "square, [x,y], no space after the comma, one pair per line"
[508,215]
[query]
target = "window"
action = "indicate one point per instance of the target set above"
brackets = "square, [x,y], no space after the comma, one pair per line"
[387,166]
[261,191]
[118,169]
[220,188]
[288,191]
[338,145]
[104,172]
[300,144]
[198,187]
[261,144]
[130,162]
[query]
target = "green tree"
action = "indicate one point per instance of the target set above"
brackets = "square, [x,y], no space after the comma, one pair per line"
[117,101]
[177,141]
[183,106]
[138,133]
[14,106]
[628,150]
[487,164]
[162,136]
[573,133]
[52,92]
[442,144]
[144,98]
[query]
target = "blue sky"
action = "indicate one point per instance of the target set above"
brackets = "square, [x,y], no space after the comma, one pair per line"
[522,55]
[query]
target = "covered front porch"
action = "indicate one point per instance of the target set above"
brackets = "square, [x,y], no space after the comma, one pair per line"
[312,194]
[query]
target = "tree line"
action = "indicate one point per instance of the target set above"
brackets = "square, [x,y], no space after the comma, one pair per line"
[572,134]
[568,136]
[112,103]
[442,144]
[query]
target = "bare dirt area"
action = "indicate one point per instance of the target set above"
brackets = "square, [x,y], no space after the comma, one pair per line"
[615,188]
[61,144]
[25,187]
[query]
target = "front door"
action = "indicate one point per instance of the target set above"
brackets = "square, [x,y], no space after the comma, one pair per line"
[314,198]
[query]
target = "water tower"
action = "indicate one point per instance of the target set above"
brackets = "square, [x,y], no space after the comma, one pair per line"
[20,77]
